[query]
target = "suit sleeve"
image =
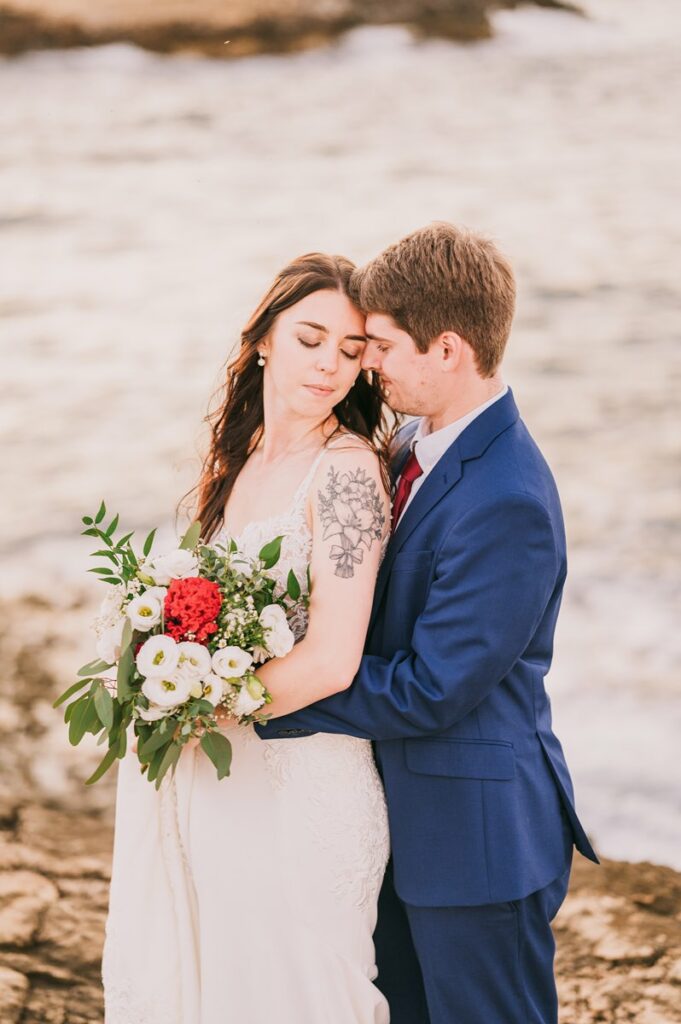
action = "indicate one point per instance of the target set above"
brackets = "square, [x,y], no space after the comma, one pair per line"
[495,574]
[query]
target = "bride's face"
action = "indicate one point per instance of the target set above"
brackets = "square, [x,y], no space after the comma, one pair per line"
[314,354]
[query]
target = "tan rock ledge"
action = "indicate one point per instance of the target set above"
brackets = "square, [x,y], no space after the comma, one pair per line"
[232,28]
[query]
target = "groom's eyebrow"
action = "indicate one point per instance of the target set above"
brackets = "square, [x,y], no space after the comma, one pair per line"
[325,330]
[377,337]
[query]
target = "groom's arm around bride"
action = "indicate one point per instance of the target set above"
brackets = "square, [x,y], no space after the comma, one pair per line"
[451,686]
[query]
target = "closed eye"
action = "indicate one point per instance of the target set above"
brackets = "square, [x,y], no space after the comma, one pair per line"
[353,356]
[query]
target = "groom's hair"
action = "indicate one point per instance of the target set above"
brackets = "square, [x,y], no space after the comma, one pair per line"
[443,278]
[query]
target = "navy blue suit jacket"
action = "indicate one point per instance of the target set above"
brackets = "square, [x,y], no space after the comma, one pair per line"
[451,687]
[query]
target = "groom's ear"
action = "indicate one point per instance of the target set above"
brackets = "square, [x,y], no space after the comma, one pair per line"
[451,350]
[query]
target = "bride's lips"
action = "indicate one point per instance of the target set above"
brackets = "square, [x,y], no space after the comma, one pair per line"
[319,390]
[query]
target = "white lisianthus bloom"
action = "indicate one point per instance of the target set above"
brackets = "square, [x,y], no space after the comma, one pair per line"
[175,565]
[244,704]
[166,691]
[158,593]
[144,612]
[109,642]
[231,662]
[152,714]
[279,637]
[194,662]
[158,655]
[213,688]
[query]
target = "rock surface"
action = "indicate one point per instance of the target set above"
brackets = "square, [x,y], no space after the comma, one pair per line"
[235,28]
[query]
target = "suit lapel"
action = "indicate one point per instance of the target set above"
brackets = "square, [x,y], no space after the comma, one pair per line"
[445,474]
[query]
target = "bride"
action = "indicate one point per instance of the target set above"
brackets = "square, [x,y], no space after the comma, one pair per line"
[253,900]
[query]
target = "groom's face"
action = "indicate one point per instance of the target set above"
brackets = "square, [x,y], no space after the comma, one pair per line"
[409,376]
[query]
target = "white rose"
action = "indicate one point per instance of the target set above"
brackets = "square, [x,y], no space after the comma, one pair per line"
[231,662]
[144,612]
[213,688]
[109,643]
[158,655]
[244,704]
[279,637]
[194,661]
[175,565]
[152,714]
[166,691]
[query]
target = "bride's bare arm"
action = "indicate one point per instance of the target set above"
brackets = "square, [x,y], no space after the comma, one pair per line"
[350,513]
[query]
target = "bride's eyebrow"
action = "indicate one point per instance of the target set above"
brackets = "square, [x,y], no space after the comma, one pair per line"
[325,330]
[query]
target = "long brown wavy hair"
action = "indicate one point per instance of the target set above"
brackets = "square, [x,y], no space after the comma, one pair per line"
[237,422]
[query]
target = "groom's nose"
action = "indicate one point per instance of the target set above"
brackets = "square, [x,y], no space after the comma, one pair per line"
[371,357]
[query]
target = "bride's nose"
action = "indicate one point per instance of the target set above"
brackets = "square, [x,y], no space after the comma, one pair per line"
[327,361]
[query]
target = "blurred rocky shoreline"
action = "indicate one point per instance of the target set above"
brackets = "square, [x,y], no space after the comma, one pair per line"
[234,28]
[619,932]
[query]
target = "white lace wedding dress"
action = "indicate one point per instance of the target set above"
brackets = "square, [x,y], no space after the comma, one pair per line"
[251,900]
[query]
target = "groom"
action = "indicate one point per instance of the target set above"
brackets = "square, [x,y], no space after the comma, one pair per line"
[451,687]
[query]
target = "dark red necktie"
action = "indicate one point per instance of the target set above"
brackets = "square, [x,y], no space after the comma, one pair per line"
[412,471]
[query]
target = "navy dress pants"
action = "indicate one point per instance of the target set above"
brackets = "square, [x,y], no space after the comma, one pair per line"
[490,964]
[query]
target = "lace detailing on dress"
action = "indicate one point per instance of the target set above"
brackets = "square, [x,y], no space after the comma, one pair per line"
[345,810]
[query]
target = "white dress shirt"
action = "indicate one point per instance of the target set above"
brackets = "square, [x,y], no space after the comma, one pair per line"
[430,447]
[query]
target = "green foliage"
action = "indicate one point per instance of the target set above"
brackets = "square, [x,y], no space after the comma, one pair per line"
[191,537]
[293,586]
[219,750]
[271,553]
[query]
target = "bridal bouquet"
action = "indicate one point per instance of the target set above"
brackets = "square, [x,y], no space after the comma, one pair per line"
[179,634]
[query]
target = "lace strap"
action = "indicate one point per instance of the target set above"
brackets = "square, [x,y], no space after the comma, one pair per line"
[301,493]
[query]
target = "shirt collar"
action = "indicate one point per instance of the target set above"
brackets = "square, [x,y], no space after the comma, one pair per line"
[430,447]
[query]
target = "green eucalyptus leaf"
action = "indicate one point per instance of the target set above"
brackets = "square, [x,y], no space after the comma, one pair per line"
[104,706]
[88,520]
[104,765]
[191,537]
[94,668]
[148,543]
[91,721]
[78,721]
[70,692]
[218,748]
[170,758]
[101,513]
[271,553]
[151,745]
[126,636]
[155,762]
[293,586]
[123,675]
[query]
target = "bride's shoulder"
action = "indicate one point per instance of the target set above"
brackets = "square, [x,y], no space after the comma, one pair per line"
[351,456]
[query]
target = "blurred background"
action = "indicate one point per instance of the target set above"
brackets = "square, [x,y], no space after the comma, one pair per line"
[153,182]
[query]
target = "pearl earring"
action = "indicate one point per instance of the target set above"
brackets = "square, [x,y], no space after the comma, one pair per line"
[261,360]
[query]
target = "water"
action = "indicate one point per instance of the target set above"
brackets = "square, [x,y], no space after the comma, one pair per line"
[146,201]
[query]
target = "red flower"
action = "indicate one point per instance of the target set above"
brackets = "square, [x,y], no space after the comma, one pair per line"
[191,607]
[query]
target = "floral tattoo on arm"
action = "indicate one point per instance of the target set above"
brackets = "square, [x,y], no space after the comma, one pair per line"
[351,512]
